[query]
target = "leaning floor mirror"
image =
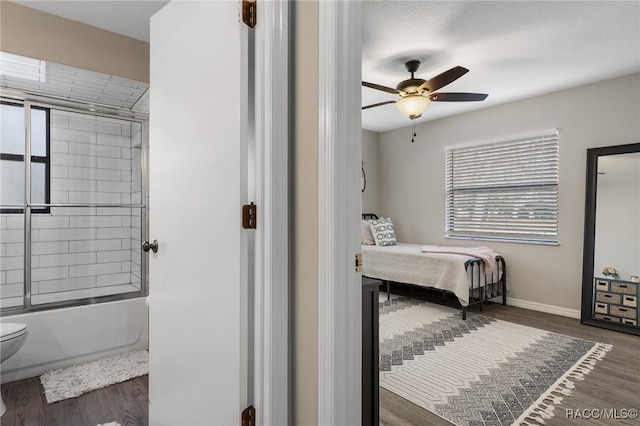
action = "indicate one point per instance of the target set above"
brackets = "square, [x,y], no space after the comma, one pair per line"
[611,267]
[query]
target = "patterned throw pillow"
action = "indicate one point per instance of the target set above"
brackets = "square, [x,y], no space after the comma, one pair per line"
[383,232]
[365,234]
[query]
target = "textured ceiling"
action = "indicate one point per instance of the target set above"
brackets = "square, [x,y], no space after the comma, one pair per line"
[513,49]
[130,18]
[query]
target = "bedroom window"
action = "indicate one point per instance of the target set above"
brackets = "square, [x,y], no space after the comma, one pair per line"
[505,190]
[12,152]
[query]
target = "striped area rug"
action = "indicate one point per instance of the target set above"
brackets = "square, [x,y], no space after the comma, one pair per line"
[478,372]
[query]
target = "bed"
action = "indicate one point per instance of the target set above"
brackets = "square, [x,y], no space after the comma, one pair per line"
[464,276]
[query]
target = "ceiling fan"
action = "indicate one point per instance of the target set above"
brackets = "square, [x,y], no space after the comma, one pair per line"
[416,93]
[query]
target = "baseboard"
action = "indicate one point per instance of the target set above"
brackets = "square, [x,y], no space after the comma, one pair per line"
[541,307]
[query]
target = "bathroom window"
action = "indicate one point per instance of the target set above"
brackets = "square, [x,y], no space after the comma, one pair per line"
[12,157]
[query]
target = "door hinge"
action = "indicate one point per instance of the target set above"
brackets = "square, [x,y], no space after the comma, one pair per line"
[358,262]
[249,416]
[249,13]
[249,216]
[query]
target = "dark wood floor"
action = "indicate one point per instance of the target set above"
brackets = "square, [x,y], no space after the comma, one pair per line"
[613,384]
[125,403]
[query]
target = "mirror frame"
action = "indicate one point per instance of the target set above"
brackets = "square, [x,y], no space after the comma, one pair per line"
[590,234]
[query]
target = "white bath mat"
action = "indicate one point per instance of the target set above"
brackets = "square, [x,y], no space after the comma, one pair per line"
[82,378]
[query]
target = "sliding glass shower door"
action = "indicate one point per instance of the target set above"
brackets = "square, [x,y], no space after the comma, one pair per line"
[73,188]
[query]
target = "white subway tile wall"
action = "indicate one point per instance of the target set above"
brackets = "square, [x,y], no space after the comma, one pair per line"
[11,260]
[81,252]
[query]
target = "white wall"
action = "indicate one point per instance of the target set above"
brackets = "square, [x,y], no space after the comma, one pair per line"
[617,241]
[412,190]
[87,251]
[371,158]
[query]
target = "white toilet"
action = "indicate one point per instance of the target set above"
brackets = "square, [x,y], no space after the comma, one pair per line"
[13,337]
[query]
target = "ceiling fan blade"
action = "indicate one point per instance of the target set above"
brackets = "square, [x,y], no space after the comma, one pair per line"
[378,104]
[443,79]
[457,97]
[379,87]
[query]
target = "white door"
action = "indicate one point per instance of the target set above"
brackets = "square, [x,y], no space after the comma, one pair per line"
[198,166]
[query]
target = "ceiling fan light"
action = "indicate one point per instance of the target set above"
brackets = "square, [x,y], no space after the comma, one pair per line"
[413,105]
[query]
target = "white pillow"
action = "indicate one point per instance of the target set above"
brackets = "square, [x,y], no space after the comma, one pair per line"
[383,233]
[365,234]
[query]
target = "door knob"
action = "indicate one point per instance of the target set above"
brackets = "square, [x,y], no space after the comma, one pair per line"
[153,245]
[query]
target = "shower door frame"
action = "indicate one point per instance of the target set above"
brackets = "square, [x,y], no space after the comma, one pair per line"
[28,100]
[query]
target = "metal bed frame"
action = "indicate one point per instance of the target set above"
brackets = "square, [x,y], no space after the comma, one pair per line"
[495,284]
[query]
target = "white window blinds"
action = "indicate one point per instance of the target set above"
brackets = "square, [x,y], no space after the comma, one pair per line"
[504,191]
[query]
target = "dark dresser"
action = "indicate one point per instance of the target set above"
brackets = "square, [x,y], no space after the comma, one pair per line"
[616,301]
[370,379]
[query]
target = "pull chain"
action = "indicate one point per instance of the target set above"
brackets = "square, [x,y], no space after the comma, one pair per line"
[413,130]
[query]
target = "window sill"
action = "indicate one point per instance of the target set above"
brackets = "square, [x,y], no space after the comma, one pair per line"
[504,240]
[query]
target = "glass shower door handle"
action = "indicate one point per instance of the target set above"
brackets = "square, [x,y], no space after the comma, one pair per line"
[153,246]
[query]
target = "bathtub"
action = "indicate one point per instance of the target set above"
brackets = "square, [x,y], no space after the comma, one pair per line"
[68,336]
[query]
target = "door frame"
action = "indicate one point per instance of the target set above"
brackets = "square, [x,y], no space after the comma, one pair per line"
[340,151]
[271,395]
[340,206]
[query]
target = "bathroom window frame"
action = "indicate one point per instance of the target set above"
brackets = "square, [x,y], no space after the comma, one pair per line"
[39,101]
[46,160]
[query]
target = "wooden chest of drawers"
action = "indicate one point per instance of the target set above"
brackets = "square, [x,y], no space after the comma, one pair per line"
[616,301]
